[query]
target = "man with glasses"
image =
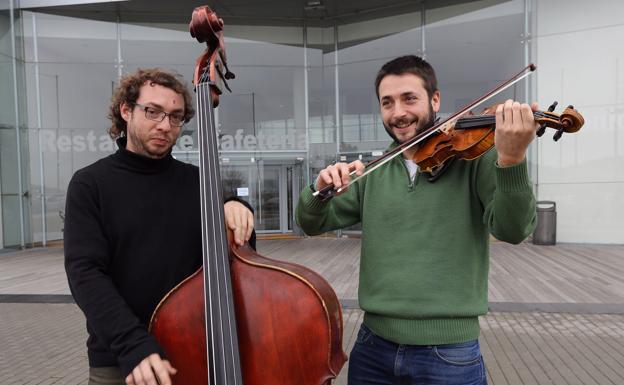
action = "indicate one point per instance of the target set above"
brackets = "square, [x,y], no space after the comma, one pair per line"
[133,229]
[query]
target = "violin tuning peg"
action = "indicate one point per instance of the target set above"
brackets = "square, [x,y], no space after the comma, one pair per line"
[553,106]
[558,134]
[540,131]
[571,107]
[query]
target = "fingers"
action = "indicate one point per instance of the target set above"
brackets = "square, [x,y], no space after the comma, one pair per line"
[151,371]
[239,219]
[162,370]
[338,174]
[170,368]
[324,179]
[515,129]
[143,374]
[250,225]
[331,175]
[358,166]
[508,113]
[499,116]
[514,116]
[534,106]
[527,116]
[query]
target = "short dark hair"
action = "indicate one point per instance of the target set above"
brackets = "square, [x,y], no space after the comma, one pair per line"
[409,64]
[129,89]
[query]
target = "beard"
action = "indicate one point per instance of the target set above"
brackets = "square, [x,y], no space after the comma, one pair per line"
[421,125]
[142,146]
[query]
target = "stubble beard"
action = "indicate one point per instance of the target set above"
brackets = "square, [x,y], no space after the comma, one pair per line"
[142,146]
[421,126]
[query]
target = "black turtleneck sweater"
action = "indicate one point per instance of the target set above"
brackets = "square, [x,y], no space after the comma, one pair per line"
[132,233]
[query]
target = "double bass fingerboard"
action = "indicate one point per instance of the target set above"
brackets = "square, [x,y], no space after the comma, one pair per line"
[221,338]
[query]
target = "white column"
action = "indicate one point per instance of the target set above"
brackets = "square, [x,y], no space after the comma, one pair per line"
[20,191]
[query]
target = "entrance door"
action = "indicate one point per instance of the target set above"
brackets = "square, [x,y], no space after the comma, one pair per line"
[268,196]
[272,190]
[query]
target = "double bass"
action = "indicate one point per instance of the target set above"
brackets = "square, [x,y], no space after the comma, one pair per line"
[242,318]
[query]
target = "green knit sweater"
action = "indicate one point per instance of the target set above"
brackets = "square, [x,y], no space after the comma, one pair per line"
[425,246]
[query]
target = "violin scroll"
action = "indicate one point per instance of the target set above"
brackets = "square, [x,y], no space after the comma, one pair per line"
[570,120]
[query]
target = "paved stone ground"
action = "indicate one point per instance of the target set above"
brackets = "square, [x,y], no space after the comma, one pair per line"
[44,344]
[557,316]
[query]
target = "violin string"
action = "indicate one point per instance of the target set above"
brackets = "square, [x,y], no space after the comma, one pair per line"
[451,120]
[478,121]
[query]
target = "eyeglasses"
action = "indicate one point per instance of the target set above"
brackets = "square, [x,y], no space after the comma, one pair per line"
[175,119]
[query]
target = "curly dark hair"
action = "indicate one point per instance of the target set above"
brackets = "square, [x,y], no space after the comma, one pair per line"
[409,64]
[128,92]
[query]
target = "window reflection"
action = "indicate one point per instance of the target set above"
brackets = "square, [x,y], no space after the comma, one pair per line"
[296,91]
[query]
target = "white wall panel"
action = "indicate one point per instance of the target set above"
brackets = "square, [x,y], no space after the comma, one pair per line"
[561,16]
[580,59]
[587,212]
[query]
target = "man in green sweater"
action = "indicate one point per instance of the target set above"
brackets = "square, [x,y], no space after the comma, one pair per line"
[425,246]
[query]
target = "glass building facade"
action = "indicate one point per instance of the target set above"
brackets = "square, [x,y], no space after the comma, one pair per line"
[303,96]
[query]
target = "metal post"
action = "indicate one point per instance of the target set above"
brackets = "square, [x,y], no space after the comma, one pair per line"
[253,112]
[283,199]
[336,90]
[526,40]
[20,190]
[528,90]
[44,230]
[119,59]
[337,93]
[423,22]
[58,132]
[306,102]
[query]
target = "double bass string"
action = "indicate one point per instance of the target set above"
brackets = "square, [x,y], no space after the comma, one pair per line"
[212,315]
[224,340]
[209,243]
[208,308]
[229,338]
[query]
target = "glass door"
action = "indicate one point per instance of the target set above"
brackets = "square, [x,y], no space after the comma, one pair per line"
[268,196]
[272,190]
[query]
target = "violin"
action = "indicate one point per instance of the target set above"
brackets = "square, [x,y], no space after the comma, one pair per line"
[472,136]
[461,136]
[242,318]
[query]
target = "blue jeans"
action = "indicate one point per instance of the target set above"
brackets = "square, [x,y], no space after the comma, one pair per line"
[375,360]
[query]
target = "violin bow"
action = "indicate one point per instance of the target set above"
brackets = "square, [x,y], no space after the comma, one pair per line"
[445,125]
